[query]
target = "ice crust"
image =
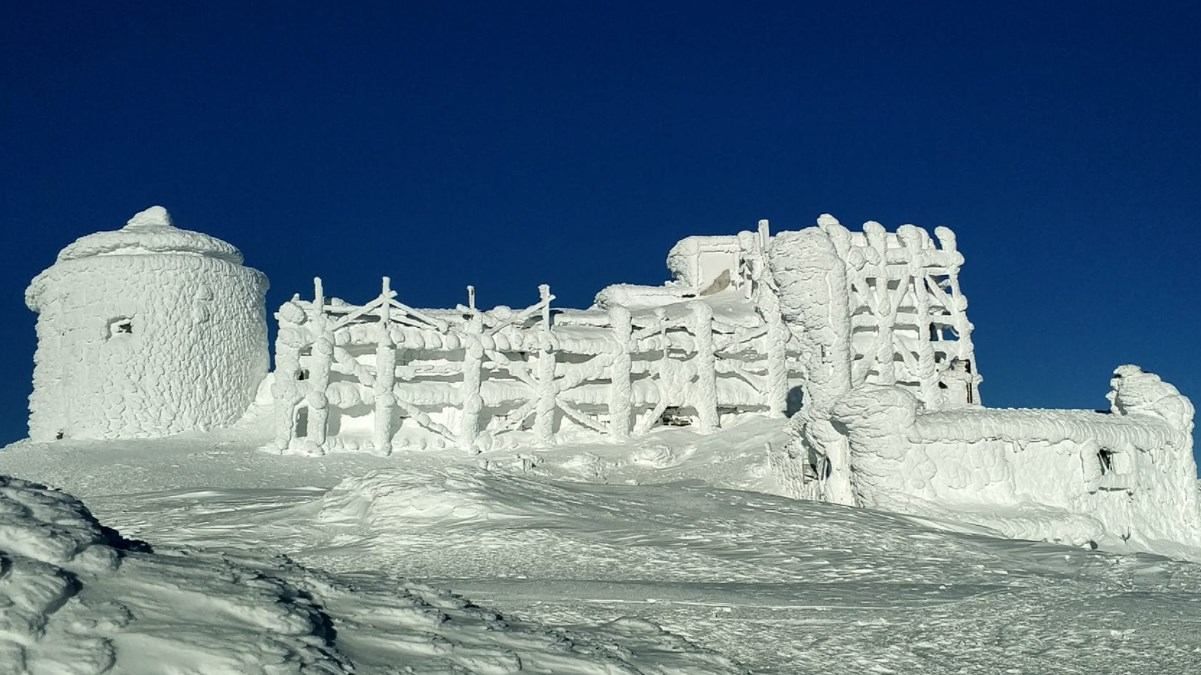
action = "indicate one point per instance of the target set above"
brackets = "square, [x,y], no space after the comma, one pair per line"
[151,330]
[867,437]
[145,331]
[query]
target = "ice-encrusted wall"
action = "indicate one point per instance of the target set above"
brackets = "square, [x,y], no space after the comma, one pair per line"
[145,331]
[1127,474]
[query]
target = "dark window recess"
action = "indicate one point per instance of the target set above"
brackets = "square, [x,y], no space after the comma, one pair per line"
[122,325]
[1105,458]
[302,374]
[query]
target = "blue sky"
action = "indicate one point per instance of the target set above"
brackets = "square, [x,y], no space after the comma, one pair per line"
[509,144]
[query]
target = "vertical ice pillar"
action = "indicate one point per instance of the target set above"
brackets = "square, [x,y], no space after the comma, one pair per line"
[705,394]
[811,278]
[885,353]
[544,410]
[288,386]
[473,358]
[385,374]
[620,390]
[776,342]
[323,354]
[963,327]
[915,240]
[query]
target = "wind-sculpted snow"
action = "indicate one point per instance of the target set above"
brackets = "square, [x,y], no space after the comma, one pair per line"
[78,598]
[780,585]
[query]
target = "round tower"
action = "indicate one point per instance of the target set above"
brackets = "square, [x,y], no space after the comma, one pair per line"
[145,331]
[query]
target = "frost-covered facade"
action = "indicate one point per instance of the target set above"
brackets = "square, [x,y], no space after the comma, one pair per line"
[145,331]
[384,376]
[862,337]
[892,420]
[709,346]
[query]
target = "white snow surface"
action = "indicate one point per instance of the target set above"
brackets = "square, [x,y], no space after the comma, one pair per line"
[666,554]
[79,598]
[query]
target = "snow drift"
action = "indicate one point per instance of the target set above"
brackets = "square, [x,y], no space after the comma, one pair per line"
[77,597]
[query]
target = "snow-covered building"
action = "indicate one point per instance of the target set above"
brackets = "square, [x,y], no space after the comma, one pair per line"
[892,420]
[151,330]
[709,346]
[145,331]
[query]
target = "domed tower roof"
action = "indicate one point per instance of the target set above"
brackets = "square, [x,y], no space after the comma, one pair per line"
[150,231]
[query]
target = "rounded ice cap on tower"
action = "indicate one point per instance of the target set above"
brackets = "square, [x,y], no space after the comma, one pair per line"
[145,331]
[150,231]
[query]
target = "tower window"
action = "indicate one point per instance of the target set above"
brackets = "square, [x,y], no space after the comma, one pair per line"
[122,325]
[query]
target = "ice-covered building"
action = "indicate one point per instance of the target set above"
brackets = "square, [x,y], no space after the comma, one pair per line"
[152,330]
[709,346]
[145,331]
[878,430]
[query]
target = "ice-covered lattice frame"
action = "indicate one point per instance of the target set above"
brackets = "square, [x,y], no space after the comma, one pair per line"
[908,317]
[693,351]
[384,375]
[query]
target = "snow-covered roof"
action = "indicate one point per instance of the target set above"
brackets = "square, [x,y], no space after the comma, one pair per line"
[150,232]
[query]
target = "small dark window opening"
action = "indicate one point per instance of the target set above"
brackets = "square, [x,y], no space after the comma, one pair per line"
[1105,459]
[59,436]
[122,325]
[821,470]
[672,417]
[302,374]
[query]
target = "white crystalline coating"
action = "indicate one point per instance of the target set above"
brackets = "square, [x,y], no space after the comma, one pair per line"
[384,376]
[148,232]
[145,331]
[151,330]
[1128,474]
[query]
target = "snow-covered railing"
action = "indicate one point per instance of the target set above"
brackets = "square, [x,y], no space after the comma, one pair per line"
[385,375]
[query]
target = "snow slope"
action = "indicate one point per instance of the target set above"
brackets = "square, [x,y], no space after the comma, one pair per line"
[666,530]
[79,598]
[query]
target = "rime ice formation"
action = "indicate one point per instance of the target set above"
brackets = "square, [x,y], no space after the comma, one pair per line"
[891,416]
[151,330]
[145,331]
[718,341]
[708,346]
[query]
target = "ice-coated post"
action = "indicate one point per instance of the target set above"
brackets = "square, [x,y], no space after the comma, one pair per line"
[705,396]
[287,390]
[620,391]
[914,240]
[323,354]
[885,355]
[473,358]
[385,374]
[544,298]
[471,297]
[544,411]
[776,339]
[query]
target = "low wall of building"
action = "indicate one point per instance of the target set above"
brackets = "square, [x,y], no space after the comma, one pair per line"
[1128,474]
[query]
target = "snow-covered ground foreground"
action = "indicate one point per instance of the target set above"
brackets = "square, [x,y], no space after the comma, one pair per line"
[585,551]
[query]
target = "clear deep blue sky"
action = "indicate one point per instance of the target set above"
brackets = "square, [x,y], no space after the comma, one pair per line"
[508,144]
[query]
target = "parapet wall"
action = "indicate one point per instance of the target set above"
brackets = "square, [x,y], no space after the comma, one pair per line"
[1128,474]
